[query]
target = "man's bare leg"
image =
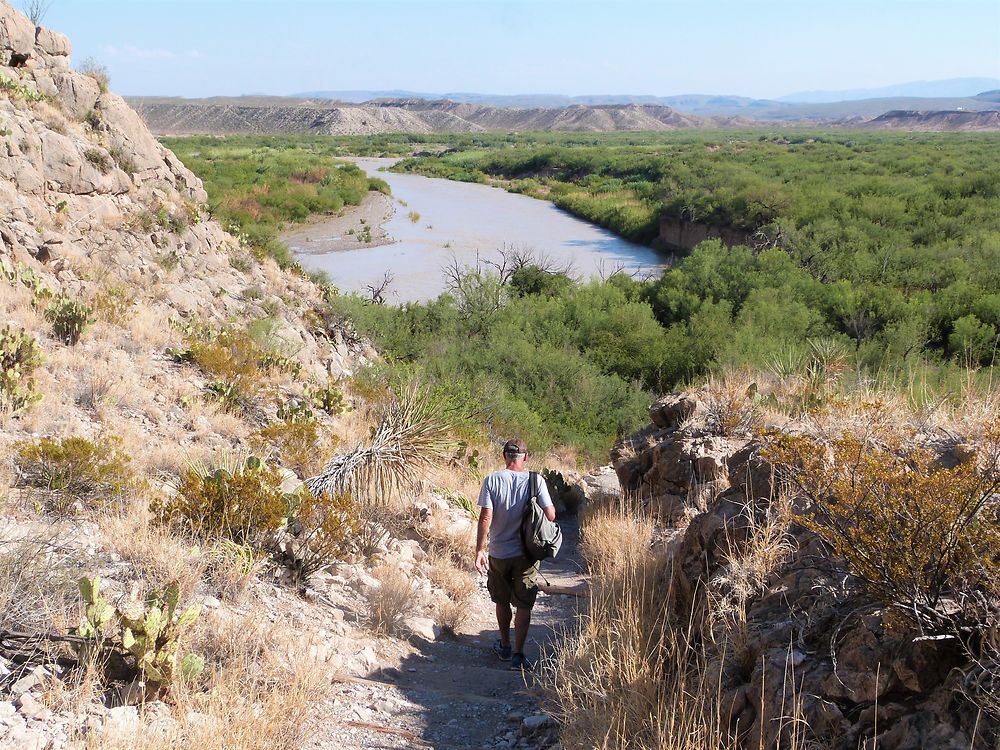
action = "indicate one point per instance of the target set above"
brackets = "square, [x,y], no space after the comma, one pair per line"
[522,619]
[503,620]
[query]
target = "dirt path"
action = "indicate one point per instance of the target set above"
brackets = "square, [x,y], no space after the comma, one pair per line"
[454,694]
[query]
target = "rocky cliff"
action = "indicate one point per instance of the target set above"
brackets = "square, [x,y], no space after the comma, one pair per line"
[815,657]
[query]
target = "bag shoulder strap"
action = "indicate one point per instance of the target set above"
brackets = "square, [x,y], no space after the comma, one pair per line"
[532,485]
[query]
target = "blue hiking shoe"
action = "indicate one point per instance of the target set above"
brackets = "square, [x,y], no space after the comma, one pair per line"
[521,663]
[502,652]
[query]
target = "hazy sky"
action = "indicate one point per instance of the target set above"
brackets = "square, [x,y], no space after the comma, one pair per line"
[749,47]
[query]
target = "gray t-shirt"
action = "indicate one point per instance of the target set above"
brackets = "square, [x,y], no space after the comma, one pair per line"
[506,493]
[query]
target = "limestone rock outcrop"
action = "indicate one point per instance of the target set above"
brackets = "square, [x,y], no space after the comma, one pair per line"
[815,649]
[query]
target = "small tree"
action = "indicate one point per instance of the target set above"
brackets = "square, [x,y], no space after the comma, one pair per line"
[36,10]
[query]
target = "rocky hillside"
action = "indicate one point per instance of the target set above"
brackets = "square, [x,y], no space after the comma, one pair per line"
[184,117]
[91,202]
[936,121]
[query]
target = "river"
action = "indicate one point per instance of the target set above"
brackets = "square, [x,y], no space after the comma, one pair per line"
[462,221]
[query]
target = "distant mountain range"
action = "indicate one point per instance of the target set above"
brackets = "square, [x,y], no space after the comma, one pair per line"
[369,112]
[952,93]
[950,88]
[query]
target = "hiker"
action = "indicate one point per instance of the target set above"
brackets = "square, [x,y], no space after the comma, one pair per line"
[511,575]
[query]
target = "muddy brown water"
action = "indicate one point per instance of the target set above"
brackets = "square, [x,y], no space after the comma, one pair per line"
[463,221]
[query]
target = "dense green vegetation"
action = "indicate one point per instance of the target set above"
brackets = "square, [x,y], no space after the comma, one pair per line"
[889,241]
[530,353]
[880,250]
[258,184]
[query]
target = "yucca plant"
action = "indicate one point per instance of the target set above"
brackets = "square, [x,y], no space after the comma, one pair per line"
[412,435]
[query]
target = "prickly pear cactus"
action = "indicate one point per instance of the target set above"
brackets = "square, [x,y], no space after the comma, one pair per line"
[151,632]
[19,356]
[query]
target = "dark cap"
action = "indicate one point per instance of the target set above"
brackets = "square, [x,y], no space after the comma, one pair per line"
[514,446]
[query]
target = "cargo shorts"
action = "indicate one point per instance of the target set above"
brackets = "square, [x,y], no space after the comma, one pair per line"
[513,580]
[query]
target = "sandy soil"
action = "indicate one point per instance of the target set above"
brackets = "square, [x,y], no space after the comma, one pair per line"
[328,234]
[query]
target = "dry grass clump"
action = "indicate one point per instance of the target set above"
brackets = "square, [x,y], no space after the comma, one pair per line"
[392,602]
[633,677]
[733,402]
[258,691]
[38,591]
[158,555]
[614,534]
[231,568]
[458,587]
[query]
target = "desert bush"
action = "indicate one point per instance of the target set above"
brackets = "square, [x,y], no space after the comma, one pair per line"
[240,500]
[151,632]
[113,304]
[19,357]
[38,575]
[322,530]
[74,470]
[69,319]
[98,159]
[392,602]
[97,71]
[300,446]
[921,536]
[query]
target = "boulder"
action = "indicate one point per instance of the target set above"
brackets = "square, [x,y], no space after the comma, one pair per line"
[52,43]
[17,35]
[673,410]
[77,93]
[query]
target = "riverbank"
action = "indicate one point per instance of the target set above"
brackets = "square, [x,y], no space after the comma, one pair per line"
[444,221]
[354,228]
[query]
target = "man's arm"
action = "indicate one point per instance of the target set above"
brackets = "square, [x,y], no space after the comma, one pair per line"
[544,500]
[482,536]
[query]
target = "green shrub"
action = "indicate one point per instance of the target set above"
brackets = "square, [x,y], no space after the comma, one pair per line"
[69,319]
[19,356]
[113,305]
[151,632]
[99,159]
[75,470]
[242,502]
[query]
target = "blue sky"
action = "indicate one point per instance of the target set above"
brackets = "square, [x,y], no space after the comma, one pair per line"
[747,47]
